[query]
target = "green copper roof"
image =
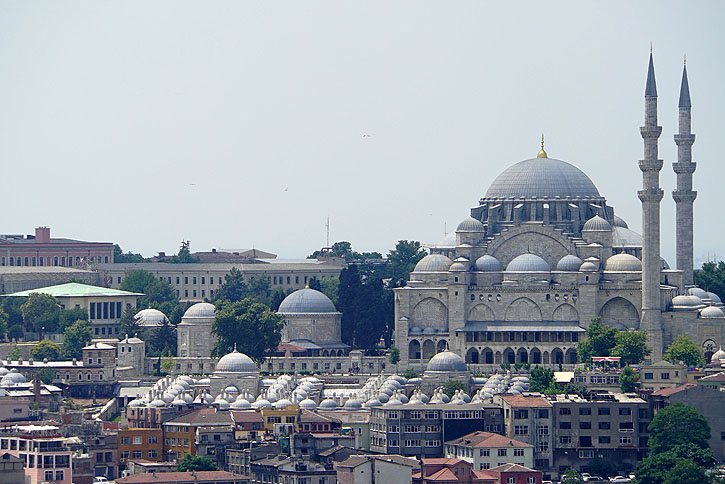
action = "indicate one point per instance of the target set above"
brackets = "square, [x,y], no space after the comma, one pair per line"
[75,289]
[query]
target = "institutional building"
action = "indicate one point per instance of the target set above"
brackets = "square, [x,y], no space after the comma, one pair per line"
[42,250]
[543,253]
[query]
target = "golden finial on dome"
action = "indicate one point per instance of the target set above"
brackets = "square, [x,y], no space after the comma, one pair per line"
[542,153]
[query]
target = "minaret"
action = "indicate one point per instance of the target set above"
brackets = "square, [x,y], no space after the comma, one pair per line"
[651,196]
[684,195]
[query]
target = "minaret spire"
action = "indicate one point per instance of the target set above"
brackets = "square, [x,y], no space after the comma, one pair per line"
[684,195]
[651,196]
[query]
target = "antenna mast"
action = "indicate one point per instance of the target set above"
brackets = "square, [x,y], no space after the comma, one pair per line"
[327,227]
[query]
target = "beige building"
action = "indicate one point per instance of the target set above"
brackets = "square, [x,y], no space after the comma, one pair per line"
[104,306]
[486,450]
[662,375]
[199,281]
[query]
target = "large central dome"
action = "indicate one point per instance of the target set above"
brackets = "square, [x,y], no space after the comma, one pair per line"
[544,179]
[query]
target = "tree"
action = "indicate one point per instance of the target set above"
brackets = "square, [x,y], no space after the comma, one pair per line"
[129,325]
[162,340]
[628,380]
[572,477]
[168,364]
[631,347]
[259,288]
[12,305]
[119,256]
[77,335]
[403,260]
[314,283]
[249,326]
[655,468]
[234,288]
[41,311]
[47,375]
[675,425]
[686,472]
[330,287]
[600,341]
[712,278]
[410,373]
[394,357]
[542,379]
[452,386]
[137,281]
[600,467]
[685,350]
[14,354]
[15,332]
[196,463]
[349,291]
[4,323]
[46,349]
[70,316]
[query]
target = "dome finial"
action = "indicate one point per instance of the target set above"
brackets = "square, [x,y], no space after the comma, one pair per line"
[542,153]
[235,347]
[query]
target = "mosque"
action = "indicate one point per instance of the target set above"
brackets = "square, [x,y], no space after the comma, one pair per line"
[543,253]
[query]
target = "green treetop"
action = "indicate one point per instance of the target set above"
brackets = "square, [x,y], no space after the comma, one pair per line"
[249,325]
[46,349]
[685,350]
[77,335]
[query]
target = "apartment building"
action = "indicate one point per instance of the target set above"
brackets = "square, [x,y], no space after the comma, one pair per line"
[529,418]
[43,452]
[486,450]
[136,443]
[180,433]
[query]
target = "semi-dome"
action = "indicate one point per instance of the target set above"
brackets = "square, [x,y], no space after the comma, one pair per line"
[470,225]
[619,222]
[307,301]
[569,263]
[711,312]
[624,238]
[433,263]
[150,318]
[542,179]
[528,263]
[487,263]
[235,362]
[201,310]
[446,361]
[597,224]
[623,263]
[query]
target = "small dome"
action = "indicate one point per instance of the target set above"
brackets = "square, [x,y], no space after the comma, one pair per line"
[200,310]
[446,361]
[150,318]
[717,356]
[260,404]
[528,263]
[569,263]
[353,404]
[158,403]
[588,267]
[696,291]
[284,403]
[136,403]
[686,301]
[470,225]
[457,267]
[307,301]
[487,263]
[328,403]
[13,378]
[623,263]
[619,222]
[415,330]
[714,298]
[240,404]
[235,362]
[597,224]
[711,312]
[433,263]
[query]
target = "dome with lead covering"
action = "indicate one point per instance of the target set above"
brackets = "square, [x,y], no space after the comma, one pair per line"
[307,301]
[446,361]
[235,362]
[201,310]
[433,263]
[487,263]
[696,291]
[597,224]
[150,318]
[711,312]
[542,179]
[619,222]
[528,263]
[623,263]
[683,301]
[470,225]
[569,263]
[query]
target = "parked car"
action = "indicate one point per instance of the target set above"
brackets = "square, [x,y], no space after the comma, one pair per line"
[100,480]
[620,479]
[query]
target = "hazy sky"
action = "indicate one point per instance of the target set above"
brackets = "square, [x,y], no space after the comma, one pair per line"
[240,124]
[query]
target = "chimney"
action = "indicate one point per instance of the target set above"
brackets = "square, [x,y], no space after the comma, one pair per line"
[36,388]
[42,235]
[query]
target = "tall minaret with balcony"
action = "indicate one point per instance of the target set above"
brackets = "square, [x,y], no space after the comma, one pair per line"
[684,195]
[651,196]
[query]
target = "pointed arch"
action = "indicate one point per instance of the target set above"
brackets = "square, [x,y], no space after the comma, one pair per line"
[414,350]
[441,346]
[620,313]
[523,309]
[472,356]
[428,349]
[509,356]
[487,356]
[557,356]
[481,312]
[565,312]
[535,356]
[430,313]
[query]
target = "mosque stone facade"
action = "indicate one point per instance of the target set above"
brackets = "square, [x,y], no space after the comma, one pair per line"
[193,334]
[543,254]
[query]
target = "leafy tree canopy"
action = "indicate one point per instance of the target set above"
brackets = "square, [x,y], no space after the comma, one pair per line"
[631,346]
[686,472]
[14,354]
[249,325]
[41,311]
[712,278]
[77,335]
[196,463]
[162,340]
[183,256]
[602,340]
[542,379]
[70,316]
[572,477]
[129,325]
[628,380]
[675,425]
[46,349]
[233,288]
[394,356]
[366,307]
[4,323]
[452,386]
[15,332]
[119,256]
[47,375]
[403,258]
[685,350]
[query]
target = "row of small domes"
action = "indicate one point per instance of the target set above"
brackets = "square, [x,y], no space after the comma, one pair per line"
[594,224]
[527,263]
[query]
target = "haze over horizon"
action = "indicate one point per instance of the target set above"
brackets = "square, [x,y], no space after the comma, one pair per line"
[241,124]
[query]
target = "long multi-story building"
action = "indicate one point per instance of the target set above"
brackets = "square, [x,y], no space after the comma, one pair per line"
[42,450]
[529,418]
[42,250]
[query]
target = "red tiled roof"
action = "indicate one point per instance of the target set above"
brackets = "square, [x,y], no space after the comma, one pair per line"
[522,401]
[488,439]
[444,474]
[203,416]
[440,461]
[240,416]
[666,392]
[716,377]
[160,477]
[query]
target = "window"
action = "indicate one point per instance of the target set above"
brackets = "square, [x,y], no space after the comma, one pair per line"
[542,446]
[604,426]
[565,411]
[586,454]
[625,411]
[585,411]
[502,452]
[137,454]
[125,454]
[585,425]
[649,376]
[542,430]
[415,414]
[518,452]
[186,279]
[521,414]
[521,430]
[625,440]
[484,466]
[154,439]
[48,475]
[543,413]
[531,480]
[604,439]
[136,440]
[665,376]
[564,425]
[626,426]
[565,439]
[484,452]
[153,454]
[432,443]
[603,411]
[511,480]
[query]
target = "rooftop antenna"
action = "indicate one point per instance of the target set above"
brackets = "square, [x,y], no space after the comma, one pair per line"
[327,227]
